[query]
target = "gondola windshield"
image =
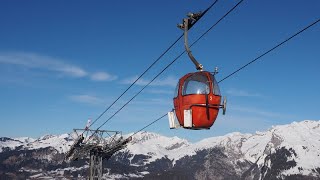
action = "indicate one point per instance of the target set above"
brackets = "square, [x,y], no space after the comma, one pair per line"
[196,84]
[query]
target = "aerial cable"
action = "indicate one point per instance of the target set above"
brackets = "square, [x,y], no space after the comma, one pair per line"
[225,15]
[270,50]
[133,83]
[307,27]
[140,91]
[172,62]
[148,125]
[165,52]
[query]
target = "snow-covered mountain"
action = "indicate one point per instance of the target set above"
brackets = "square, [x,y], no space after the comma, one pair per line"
[283,152]
[61,143]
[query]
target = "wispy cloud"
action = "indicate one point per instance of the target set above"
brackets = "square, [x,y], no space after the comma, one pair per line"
[250,119]
[244,124]
[167,81]
[242,93]
[255,111]
[160,91]
[31,60]
[36,61]
[86,99]
[154,101]
[103,76]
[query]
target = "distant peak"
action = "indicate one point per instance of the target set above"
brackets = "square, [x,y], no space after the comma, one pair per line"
[45,137]
[144,136]
[5,139]
[309,124]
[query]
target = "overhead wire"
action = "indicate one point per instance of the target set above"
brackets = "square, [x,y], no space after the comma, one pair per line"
[139,92]
[160,57]
[148,125]
[275,47]
[133,83]
[225,15]
[270,50]
[228,76]
[200,37]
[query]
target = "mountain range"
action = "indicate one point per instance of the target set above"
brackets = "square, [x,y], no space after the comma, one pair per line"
[289,151]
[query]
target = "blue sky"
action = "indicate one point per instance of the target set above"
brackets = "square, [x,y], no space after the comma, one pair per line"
[62,62]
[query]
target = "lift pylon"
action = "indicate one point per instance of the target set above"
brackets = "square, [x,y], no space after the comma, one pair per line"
[98,145]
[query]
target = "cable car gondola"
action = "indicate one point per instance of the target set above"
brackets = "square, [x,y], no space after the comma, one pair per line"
[197,98]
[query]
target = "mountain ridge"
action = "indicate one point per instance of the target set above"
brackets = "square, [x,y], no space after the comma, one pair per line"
[281,151]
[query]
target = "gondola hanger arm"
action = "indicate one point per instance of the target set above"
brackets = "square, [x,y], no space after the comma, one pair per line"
[186,25]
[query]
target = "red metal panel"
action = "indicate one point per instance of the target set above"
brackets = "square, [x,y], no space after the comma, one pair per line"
[194,101]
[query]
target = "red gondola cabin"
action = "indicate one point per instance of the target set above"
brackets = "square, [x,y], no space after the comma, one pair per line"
[197,97]
[196,101]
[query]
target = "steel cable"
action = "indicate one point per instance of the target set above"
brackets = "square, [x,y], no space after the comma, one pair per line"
[270,50]
[200,37]
[275,47]
[160,57]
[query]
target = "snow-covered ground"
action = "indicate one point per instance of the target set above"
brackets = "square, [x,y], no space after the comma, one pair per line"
[303,137]
[60,142]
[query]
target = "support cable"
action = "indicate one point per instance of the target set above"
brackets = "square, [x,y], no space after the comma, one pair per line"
[307,27]
[171,63]
[165,52]
[136,80]
[270,50]
[148,125]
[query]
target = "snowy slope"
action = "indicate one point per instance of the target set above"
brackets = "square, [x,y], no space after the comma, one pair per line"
[10,143]
[157,146]
[303,137]
[61,143]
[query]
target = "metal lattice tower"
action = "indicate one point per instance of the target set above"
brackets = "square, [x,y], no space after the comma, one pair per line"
[98,145]
[95,166]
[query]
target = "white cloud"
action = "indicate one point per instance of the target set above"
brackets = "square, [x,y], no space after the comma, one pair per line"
[102,76]
[86,99]
[154,101]
[249,119]
[36,61]
[73,71]
[31,60]
[167,81]
[255,111]
[242,93]
[160,91]
[247,123]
